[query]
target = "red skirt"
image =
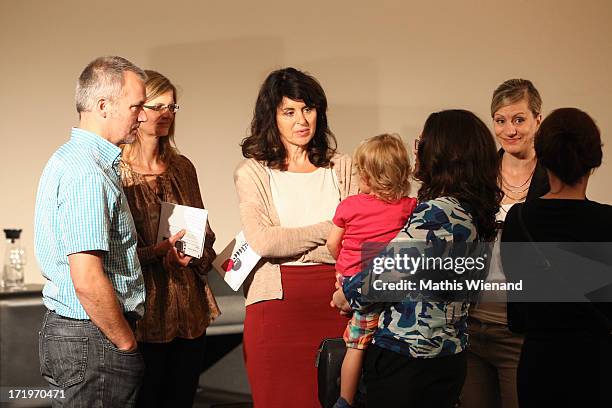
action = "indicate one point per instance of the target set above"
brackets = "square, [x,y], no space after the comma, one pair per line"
[281,338]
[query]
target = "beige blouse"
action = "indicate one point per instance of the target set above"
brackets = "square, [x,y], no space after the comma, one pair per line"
[179,302]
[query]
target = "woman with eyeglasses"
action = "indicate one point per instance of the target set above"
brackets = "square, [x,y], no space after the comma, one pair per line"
[493,356]
[179,304]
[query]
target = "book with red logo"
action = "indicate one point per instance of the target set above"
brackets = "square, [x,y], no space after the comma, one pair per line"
[236,261]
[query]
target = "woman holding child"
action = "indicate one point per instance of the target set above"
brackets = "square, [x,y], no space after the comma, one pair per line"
[417,355]
[288,187]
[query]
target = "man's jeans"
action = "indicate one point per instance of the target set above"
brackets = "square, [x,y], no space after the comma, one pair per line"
[76,357]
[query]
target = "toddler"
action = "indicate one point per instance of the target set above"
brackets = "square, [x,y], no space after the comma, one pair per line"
[375,215]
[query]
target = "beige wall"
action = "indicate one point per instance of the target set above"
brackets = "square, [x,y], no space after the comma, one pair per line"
[384,67]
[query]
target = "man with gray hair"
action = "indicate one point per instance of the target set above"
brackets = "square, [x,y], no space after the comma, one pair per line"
[85,243]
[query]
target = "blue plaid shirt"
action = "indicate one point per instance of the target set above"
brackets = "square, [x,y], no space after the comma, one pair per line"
[80,206]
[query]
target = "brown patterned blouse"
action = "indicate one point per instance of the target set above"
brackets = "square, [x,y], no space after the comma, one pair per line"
[179,302]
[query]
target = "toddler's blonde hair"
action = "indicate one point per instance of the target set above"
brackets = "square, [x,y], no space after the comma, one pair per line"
[384,163]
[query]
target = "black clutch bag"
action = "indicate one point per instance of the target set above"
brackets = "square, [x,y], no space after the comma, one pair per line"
[329,363]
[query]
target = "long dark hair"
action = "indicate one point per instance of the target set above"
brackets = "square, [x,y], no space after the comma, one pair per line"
[457,157]
[264,143]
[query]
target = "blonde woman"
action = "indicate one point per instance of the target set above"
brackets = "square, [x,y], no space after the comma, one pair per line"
[493,356]
[179,304]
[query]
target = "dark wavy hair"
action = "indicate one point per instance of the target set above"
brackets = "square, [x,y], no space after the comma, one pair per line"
[457,157]
[264,143]
[568,143]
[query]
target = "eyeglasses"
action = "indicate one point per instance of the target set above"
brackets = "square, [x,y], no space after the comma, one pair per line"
[172,107]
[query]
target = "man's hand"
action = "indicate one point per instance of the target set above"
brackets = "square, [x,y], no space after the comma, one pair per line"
[128,345]
[97,296]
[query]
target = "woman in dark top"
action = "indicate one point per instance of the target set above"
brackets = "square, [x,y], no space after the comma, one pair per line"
[566,359]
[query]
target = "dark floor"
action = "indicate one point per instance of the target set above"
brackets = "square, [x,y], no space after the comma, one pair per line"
[213,398]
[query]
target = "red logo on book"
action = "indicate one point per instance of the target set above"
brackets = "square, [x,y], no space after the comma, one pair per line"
[228,265]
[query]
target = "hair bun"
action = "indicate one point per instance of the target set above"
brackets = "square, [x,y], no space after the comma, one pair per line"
[568,144]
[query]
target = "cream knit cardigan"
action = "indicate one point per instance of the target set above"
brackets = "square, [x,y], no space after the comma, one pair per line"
[276,244]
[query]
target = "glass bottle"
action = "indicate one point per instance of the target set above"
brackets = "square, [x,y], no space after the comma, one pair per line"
[13,272]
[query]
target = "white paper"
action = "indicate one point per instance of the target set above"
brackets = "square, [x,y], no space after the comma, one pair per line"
[236,261]
[175,217]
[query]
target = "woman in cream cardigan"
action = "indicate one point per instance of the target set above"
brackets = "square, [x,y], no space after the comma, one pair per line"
[289,186]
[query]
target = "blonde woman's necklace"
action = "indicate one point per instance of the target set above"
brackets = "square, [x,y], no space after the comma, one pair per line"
[515,198]
[520,188]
